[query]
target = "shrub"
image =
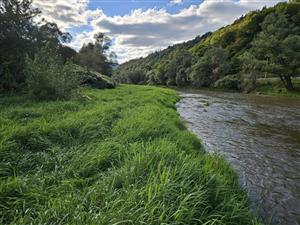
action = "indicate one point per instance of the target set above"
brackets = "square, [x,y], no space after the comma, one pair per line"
[181,77]
[229,82]
[47,78]
[93,79]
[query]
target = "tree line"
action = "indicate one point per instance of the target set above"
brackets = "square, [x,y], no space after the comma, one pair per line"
[34,56]
[262,43]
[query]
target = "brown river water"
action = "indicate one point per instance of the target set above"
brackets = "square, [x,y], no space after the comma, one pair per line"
[260,137]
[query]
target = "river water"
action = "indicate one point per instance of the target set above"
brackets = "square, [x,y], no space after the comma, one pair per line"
[260,137]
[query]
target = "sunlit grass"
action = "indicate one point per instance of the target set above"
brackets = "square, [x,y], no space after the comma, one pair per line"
[121,156]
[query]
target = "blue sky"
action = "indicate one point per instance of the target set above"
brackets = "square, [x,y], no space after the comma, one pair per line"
[122,7]
[139,27]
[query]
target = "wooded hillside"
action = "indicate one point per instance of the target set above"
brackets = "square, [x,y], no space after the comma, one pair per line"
[263,43]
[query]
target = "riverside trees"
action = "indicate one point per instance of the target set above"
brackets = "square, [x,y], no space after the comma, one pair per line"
[278,47]
[33,57]
[95,55]
[266,41]
[21,35]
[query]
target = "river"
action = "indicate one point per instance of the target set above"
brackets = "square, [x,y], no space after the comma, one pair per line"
[260,137]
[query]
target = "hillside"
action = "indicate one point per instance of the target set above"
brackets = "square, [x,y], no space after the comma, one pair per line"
[236,50]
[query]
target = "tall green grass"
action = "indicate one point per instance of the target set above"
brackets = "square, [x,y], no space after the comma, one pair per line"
[119,156]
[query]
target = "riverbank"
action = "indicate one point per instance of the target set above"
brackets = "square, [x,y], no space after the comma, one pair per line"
[120,156]
[274,87]
[265,86]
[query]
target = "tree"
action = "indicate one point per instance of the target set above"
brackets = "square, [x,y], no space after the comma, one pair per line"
[48,78]
[21,35]
[151,77]
[228,38]
[161,70]
[181,77]
[251,68]
[277,45]
[67,53]
[201,74]
[179,62]
[210,68]
[95,55]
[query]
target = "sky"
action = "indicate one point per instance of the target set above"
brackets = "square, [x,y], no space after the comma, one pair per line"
[139,27]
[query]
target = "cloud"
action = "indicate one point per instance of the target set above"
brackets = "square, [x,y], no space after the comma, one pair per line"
[176,2]
[144,31]
[66,13]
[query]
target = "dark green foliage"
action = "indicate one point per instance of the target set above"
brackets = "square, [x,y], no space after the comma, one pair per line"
[47,78]
[67,53]
[21,35]
[250,71]
[212,66]
[278,46]
[201,74]
[229,82]
[93,79]
[270,36]
[93,56]
[228,39]
[182,77]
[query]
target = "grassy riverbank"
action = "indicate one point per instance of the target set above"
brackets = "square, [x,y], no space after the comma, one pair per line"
[119,156]
[264,86]
[273,86]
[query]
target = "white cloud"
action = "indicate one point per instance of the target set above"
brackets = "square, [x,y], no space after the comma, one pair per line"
[176,1]
[142,32]
[66,13]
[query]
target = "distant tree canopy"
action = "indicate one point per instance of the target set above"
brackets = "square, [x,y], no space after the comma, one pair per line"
[210,68]
[95,55]
[67,53]
[20,35]
[294,1]
[259,43]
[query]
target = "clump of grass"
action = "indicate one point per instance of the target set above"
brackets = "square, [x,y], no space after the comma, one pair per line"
[120,157]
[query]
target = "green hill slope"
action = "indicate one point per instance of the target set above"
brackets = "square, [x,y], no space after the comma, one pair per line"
[224,52]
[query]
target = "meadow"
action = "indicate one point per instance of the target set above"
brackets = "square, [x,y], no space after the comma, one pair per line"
[119,156]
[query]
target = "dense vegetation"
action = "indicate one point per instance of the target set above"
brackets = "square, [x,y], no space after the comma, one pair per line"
[34,59]
[122,156]
[119,156]
[263,43]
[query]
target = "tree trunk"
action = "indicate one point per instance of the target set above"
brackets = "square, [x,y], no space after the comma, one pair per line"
[288,83]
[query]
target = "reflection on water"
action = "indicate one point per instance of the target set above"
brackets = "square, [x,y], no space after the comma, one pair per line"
[260,136]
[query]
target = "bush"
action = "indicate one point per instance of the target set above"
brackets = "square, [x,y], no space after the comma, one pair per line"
[181,78]
[94,79]
[47,78]
[229,82]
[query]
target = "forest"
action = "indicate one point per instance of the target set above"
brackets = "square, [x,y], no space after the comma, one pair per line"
[262,44]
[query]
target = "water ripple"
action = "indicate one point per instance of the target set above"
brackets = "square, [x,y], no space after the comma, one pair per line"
[260,136]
